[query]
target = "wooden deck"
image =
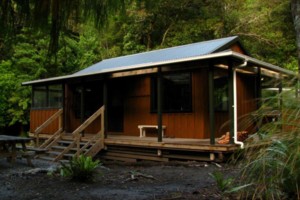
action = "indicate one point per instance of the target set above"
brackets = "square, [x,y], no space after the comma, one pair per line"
[169,143]
[133,148]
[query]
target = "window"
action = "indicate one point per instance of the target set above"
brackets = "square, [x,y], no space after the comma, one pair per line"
[177,93]
[221,93]
[39,97]
[92,99]
[47,96]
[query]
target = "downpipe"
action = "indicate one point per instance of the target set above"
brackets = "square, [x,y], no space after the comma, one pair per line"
[235,137]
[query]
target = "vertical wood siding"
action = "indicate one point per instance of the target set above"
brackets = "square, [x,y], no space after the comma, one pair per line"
[72,122]
[38,117]
[246,103]
[237,48]
[184,125]
[137,109]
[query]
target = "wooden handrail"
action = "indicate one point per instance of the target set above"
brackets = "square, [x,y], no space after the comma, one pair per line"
[99,138]
[87,122]
[48,143]
[84,125]
[39,129]
[48,121]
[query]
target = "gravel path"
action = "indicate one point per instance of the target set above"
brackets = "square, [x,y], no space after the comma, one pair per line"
[152,180]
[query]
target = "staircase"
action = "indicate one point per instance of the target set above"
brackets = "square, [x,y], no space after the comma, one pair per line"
[62,147]
[66,148]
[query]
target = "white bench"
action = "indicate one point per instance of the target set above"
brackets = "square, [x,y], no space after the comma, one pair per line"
[143,129]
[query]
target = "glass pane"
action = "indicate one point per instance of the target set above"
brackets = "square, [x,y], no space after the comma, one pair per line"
[55,96]
[177,93]
[39,97]
[221,93]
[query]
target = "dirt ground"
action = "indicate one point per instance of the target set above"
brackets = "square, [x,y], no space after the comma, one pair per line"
[114,180]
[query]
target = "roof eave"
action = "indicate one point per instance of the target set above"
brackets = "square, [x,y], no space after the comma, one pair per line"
[155,64]
[263,64]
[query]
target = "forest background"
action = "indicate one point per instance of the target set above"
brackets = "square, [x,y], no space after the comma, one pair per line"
[41,39]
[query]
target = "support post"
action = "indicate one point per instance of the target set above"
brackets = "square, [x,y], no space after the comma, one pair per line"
[159,105]
[280,93]
[211,103]
[82,107]
[105,101]
[230,101]
[258,88]
[65,106]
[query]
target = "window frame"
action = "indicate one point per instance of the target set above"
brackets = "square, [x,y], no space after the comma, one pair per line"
[47,90]
[222,106]
[153,95]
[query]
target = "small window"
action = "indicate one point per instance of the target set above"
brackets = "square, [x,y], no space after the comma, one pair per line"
[55,96]
[47,96]
[40,97]
[221,93]
[177,93]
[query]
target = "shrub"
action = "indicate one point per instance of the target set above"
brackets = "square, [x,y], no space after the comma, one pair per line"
[222,183]
[81,168]
[271,161]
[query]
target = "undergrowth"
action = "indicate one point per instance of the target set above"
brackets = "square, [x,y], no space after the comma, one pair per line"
[270,162]
[81,168]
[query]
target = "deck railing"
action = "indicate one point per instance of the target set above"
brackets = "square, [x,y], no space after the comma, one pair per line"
[38,130]
[98,140]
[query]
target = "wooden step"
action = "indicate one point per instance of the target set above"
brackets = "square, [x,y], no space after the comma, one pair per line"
[138,157]
[63,146]
[118,158]
[56,153]
[47,158]
[58,147]
[67,142]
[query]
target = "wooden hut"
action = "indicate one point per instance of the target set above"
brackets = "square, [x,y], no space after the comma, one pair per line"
[157,105]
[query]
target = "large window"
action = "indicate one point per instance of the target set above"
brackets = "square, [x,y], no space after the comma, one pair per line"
[177,93]
[50,96]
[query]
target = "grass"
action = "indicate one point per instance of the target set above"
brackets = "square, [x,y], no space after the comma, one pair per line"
[270,163]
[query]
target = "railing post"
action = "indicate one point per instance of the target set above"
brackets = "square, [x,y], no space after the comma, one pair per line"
[60,121]
[78,144]
[37,143]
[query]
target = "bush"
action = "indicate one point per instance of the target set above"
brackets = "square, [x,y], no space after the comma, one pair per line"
[81,168]
[271,162]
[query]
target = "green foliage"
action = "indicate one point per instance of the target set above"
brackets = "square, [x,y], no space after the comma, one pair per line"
[224,184]
[271,160]
[81,168]
[265,28]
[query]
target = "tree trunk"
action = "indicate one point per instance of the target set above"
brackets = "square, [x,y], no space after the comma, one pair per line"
[295,9]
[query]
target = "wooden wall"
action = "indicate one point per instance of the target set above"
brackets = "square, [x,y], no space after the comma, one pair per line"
[246,103]
[137,109]
[73,122]
[38,117]
[184,125]
[237,48]
[179,125]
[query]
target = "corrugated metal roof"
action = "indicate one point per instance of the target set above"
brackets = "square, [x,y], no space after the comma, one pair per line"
[191,52]
[173,53]
[223,54]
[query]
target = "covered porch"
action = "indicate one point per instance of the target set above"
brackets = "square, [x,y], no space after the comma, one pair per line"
[191,98]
